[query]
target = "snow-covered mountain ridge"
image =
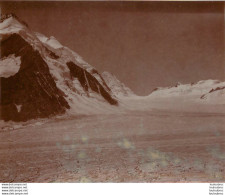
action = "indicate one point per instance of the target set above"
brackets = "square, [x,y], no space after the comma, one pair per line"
[204,91]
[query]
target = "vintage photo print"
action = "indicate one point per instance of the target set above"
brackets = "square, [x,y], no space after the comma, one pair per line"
[103,91]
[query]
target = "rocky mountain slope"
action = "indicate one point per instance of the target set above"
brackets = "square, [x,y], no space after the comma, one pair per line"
[40,77]
[117,87]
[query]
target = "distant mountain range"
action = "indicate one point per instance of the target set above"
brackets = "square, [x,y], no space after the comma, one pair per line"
[205,91]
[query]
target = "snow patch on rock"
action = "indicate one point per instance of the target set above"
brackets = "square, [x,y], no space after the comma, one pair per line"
[18,107]
[50,41]
[9,66]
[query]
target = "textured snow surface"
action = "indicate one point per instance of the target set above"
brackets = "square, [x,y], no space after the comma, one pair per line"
[9,66]
[118,88]
[147,146]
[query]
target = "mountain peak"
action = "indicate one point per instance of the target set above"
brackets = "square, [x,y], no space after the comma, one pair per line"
[10,24]
[6,16]
[12,15]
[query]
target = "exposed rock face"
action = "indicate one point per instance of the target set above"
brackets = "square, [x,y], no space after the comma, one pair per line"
[216,94]
[89,82]
[30,93]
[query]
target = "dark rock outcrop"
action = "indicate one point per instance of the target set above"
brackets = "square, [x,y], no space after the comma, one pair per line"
[88,81]
[32,88]
[211,91]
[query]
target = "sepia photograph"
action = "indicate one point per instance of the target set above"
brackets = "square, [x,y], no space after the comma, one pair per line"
[112,91]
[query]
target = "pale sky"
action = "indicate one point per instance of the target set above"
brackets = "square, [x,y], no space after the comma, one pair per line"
[145,44]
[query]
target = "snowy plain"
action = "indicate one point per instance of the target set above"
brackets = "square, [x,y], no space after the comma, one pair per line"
[147,141]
